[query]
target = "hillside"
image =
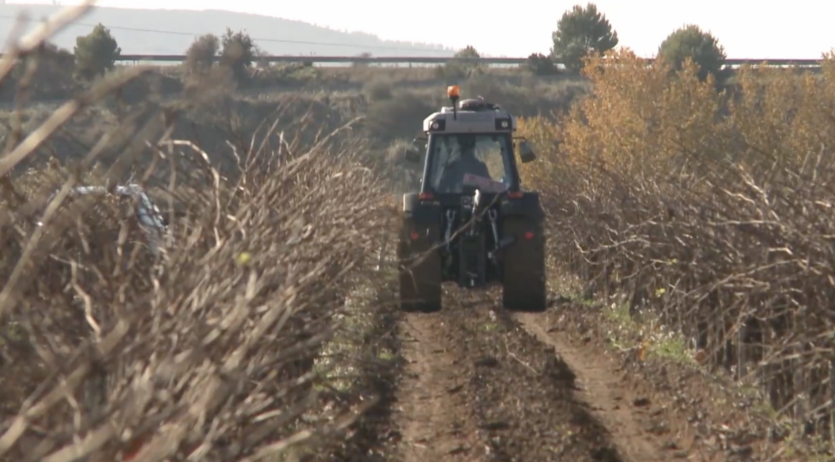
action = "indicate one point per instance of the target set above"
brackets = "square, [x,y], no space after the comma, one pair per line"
[172,31]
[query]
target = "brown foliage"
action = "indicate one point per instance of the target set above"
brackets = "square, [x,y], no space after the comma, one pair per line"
[229,337]
[204,351]
[202,54]
[712,212]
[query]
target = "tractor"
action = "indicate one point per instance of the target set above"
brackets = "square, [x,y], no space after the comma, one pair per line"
[471,223]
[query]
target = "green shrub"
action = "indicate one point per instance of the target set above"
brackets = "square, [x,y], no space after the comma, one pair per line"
[581,31]
[456,70]
[378,90]
[399,117]
[95,53]
[690,42]
[541,65]
[45,73]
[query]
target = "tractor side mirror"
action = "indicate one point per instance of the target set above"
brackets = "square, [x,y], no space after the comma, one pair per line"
[414,151]
[526,153]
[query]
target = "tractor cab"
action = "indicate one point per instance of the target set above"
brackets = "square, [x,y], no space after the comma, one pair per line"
[470,146]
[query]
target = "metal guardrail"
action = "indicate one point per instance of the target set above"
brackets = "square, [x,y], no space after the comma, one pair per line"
[436,60]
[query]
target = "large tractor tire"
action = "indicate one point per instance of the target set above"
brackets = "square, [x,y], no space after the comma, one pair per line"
[419,268]
[523,278]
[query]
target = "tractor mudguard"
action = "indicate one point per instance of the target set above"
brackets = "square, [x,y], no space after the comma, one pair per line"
[527,207]
[420,212]
[420,266]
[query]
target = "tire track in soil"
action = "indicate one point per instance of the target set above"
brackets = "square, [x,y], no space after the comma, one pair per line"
[614,404]
[431,414]
[477,387]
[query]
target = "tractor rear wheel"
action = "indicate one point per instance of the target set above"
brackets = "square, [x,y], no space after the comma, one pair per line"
[419,267]
[523,278]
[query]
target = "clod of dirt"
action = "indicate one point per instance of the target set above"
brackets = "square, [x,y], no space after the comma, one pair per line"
[455,389]
[487,361]
[742,451]
[641,402]
[605,454]
[580,418]
[495,425]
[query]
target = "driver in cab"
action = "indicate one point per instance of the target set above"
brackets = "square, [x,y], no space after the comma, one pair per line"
[466,163]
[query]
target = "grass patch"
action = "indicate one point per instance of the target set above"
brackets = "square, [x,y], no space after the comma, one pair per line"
[646,332]
[624,331]
[360,365]
[338,366]
[489,327]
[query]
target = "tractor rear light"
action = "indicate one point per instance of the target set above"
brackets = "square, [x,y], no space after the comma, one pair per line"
[426,196]
[515,194]
[415,235]
[529,235]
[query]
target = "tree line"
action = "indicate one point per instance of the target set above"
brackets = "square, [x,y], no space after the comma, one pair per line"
[96,53]
[580,32]
[584,31]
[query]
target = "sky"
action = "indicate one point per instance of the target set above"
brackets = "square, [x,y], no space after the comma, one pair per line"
[800,29]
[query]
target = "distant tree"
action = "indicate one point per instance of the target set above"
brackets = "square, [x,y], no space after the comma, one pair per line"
[48,70]
[201,54]
[52,59]
[364,55]
[95,53]
[467,52]
[539,64]
[456,70]
[238,53]
[700,46]
[581,31]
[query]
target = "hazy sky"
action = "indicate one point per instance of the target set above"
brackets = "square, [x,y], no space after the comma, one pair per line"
[747,29]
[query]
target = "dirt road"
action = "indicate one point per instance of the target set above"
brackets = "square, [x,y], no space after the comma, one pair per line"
[483,385]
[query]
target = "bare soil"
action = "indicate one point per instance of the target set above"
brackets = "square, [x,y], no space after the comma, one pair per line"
[477,387]
[481,384]
[696,415]
[624,410]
